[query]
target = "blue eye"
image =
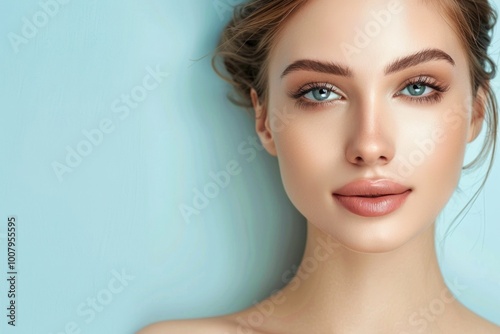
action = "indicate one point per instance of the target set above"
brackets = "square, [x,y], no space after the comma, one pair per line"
[416,89]
[321,94]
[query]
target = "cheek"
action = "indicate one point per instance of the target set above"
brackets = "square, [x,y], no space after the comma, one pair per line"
[451,139]
[443,151]
[310,154]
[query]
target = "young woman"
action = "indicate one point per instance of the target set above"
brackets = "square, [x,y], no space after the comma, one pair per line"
[368,107]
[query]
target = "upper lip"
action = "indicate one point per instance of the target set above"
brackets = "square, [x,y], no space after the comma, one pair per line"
[371,188]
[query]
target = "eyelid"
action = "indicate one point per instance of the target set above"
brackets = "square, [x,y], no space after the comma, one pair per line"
[435,96]
[302,103]
[314,85]
[438,87]
[425,80]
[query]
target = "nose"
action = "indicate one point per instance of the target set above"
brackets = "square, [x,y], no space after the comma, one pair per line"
[371,136]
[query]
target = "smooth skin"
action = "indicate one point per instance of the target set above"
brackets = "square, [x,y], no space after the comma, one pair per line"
[400,107]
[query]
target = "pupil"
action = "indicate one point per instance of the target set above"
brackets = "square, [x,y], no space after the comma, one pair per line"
[321,94]
[417,89]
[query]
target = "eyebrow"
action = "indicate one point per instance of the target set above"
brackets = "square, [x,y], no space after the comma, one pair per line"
[318,66]
[400,64]
[423,56]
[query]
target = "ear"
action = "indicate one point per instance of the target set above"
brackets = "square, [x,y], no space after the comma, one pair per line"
[478,112]
[262,124]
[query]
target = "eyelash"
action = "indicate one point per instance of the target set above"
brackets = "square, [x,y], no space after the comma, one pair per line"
[434,97]
[301,102]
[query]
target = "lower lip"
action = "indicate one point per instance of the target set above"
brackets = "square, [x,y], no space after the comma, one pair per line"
[372,206]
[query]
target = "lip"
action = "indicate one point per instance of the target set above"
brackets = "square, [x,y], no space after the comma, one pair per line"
[372,198]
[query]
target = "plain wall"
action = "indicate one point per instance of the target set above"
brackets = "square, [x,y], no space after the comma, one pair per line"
[102,246]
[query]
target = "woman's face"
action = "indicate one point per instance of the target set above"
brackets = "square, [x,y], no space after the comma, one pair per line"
[366,91]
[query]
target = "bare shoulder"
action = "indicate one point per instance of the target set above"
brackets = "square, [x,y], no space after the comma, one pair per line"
[216,325]
[486,327]
[470,322]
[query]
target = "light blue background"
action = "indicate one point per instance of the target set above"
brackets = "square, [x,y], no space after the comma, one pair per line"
[118,210]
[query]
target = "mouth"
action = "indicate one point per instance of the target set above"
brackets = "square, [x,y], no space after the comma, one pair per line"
[372,195]
[372,198]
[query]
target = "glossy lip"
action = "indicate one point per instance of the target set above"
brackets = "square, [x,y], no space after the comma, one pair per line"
[372,198]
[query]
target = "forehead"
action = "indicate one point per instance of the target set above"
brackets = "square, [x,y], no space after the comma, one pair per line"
[364,34]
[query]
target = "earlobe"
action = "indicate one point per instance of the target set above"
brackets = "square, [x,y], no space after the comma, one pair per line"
[478,112]
[262,124]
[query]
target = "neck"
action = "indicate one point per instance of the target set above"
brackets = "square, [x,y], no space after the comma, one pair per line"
[368,293]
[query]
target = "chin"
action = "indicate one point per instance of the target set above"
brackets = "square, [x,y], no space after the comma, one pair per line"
[376,244]
[374,235]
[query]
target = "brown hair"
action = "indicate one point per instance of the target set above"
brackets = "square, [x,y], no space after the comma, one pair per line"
[473,21]
[248,39]
[246,43]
